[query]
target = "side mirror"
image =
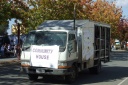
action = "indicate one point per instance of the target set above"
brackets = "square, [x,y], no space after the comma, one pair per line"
[70,48]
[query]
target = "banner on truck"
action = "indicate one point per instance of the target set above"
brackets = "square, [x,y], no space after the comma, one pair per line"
[44,56]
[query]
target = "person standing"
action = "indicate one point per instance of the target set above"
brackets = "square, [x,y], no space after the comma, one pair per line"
[18,51]
[6,50]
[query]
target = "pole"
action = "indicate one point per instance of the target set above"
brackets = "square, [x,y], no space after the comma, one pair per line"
[18,33]
[18,46]
[18,50]
[74,15]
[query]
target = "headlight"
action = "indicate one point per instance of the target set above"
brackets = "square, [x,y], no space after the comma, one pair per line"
[63,65]
[25,64]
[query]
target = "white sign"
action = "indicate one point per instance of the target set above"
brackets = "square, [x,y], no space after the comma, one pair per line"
[44,56]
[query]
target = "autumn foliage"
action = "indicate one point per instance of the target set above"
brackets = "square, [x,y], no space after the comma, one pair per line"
[103,11]
[123,29]
[34,12]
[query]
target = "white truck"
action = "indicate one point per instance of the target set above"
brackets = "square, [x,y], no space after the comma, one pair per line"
[64,48]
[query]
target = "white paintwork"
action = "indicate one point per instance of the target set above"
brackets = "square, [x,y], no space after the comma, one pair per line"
[87,43]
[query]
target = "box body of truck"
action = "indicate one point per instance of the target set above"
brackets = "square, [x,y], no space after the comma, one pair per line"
[59,48]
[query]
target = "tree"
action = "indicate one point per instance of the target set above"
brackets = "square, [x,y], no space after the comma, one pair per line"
[123,29]
[103,11]
[4,16]
[10,9]
[100,10]
[18,11]
[41,10]
[34,12]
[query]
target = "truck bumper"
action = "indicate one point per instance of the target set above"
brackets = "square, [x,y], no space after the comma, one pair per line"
[45,71]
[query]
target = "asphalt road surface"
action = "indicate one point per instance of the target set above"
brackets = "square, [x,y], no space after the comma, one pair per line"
[114,72]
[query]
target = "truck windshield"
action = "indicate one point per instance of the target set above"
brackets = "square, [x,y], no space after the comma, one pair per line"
[46,38]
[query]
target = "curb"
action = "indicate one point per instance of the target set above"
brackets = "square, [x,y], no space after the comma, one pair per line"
[9,62]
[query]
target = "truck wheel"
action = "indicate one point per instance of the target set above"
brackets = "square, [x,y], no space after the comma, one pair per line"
[72,77]
[32,77]
[96,69]
[45,77]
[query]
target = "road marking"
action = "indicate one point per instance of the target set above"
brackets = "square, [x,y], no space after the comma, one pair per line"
[123,81]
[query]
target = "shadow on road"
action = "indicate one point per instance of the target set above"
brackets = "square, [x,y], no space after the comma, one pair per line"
[13,77]
[10,75]
[108,74]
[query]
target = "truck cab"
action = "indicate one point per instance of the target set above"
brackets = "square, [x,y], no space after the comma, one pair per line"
[61,42]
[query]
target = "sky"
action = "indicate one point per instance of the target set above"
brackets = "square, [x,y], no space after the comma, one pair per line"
[119,3]
[124,4]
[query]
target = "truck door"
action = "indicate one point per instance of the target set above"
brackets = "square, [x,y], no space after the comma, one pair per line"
[72,45]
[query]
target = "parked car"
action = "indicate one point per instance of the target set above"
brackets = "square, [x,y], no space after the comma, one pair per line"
[117,44]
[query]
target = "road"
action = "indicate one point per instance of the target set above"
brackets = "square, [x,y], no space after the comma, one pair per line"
[114,72]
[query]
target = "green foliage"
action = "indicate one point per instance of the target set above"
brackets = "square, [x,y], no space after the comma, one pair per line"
[47,10]
[34,12]
[4,11]
[3,29]
[4,16]
[41,10]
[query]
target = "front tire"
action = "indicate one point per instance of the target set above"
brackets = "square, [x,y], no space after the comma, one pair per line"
[32,77]
[72,77]
[46,77]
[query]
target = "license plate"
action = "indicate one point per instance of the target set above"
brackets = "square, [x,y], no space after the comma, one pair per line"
[39,70]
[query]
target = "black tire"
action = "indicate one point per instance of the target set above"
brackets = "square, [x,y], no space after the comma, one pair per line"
[96,69]
[72,77]
[33,77]
[45,77]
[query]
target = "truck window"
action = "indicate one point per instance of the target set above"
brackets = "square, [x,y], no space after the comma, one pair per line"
[71,37]
[46,38]
[72,46]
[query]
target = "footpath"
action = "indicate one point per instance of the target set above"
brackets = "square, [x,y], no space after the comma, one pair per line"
[7,61]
